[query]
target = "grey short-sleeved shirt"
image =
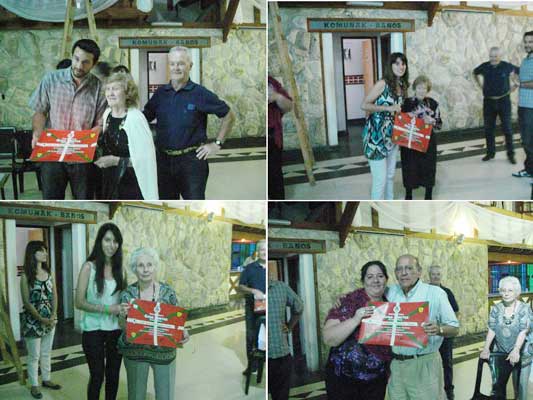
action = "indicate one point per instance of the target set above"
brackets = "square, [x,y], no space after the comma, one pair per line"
[68,106]
[507,329]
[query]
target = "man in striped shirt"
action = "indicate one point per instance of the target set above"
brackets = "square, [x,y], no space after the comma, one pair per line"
[525,107]
[69,99]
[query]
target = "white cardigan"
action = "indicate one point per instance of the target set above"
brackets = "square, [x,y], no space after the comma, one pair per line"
[142,151]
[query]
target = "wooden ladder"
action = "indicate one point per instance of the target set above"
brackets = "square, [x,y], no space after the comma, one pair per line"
[69,26]
[288,76]
[8,346]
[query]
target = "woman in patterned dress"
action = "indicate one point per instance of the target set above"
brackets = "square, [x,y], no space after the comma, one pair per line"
[355,370]
[39,317]
[383,100]
[509,325]
[418,169]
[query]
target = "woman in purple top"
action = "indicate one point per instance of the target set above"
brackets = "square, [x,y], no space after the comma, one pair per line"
[355,370]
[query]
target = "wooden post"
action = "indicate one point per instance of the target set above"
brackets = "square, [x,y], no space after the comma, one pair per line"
[67,30]
[90,19]
[6,335]
[288,75]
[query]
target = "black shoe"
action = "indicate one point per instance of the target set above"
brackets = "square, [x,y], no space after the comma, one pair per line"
[51,385]
[522,174]
[488,157]
[35,393]
[511,159]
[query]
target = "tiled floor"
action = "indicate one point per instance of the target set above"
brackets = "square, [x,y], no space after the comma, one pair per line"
[234,174]
[465,369]
[209,366]
[460,175]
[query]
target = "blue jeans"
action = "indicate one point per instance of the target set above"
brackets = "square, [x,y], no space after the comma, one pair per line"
[491,110]
[525,119]
[184,176]
[382,172]
[55,176]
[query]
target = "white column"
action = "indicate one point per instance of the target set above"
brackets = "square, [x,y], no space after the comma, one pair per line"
[13,285]
[135,67]
[329,84]
[195,70]
[308,324]
[79,255]
[396,42]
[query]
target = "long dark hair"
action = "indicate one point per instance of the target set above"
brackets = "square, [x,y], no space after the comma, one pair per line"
[392,80]
[381,266]
[30,263]
[97,256]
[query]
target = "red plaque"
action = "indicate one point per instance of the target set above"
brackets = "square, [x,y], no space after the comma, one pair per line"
[396,324]
[411,132]
[65,146]
[260,306]
[157,324]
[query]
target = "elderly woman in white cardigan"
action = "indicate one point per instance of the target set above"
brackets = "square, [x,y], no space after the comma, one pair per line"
[126,151]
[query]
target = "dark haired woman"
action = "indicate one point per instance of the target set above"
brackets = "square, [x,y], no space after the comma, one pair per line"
[39,297]
[381,103]
[100,282]
[355,370]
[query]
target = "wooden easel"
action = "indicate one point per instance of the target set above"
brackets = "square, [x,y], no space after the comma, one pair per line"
[288,76]
[10,355]
[69,26]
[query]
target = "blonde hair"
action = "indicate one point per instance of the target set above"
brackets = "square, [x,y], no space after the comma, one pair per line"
[422,79]
[130,88]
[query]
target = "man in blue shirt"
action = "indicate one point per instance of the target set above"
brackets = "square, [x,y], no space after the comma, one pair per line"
[253,284]
[416,373]
[497,100]
[525,107]
[181,108]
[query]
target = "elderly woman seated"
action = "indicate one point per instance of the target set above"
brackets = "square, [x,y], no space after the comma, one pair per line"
[509,324]
[139,358]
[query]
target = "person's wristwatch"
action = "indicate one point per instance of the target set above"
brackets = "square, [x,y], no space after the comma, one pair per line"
[220,143]
[441,331]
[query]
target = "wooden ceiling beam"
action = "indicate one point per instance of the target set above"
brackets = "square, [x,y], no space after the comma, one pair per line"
[432,11]
[228,18]
[345,223]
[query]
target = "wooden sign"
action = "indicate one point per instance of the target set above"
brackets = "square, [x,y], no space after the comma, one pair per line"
[155,42]
[301,246]
[45,213]
[360,25]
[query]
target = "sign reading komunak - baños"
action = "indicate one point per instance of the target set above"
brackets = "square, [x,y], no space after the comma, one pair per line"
[162,42]
[359,24]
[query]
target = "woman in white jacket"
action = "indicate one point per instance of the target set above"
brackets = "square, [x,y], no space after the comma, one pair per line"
[126,151]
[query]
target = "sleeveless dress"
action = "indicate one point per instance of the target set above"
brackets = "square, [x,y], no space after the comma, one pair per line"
[377,132]
[41,296]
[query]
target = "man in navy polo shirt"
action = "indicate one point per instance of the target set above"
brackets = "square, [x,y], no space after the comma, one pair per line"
[253,284]
[181,108]
[497,100]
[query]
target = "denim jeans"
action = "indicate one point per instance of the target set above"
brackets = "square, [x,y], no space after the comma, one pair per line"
[55,176]
[279,377]
[184,176]
[39,350]
[382,172]
[491,110]
[100,348]
[525,119]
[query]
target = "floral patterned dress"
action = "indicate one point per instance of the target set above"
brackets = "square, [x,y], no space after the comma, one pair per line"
[41,297]
[377,132]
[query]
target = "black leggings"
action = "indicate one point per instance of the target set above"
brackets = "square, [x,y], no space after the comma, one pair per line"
[344,388]
[100,348]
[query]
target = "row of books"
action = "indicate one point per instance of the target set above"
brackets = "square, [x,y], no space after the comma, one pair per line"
[524,273]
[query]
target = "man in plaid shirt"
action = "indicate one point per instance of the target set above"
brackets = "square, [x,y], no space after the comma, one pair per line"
[69,99]
[280,296]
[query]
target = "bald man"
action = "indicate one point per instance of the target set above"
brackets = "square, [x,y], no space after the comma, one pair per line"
[416,373]
[497,89]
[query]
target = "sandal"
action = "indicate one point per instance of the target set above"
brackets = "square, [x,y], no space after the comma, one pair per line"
[51,385]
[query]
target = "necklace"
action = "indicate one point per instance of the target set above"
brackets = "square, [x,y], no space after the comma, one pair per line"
[509,320]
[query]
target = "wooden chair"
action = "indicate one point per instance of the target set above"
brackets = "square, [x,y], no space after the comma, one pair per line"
[8,151]
[24,149]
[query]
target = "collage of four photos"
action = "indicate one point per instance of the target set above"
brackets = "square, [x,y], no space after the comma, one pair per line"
[266,200]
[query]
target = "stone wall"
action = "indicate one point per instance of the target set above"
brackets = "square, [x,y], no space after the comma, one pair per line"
[195,255]
[234,70]
[338,270]
[446,52]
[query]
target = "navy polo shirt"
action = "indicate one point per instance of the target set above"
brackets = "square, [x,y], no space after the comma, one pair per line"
[182,115]
[496,77]
[254,276]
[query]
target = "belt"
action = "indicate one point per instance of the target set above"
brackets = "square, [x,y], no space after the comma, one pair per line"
[403,358]
[498,97]
[181,151]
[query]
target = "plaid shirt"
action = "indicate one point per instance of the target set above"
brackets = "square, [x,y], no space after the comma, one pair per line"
[525,95]
[68,106]
[280,296]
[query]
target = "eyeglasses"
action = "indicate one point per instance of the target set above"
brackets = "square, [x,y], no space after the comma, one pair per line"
[506,290]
